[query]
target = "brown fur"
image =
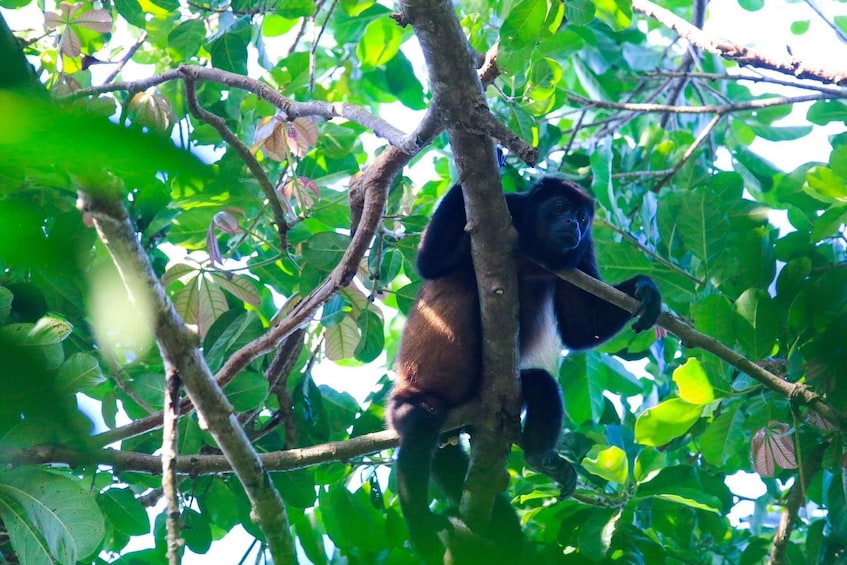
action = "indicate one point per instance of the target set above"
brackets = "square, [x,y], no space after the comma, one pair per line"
[442,343]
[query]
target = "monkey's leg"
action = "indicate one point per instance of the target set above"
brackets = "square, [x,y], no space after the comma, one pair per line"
[418,422]
[542,426]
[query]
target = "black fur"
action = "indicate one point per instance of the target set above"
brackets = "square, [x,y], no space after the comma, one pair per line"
[439,364]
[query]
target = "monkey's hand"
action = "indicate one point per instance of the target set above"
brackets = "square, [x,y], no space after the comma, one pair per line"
[647,293]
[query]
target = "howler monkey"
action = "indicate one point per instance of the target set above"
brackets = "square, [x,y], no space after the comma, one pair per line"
[440,358]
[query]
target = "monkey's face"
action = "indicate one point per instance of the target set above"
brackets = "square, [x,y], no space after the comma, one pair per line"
[563,224]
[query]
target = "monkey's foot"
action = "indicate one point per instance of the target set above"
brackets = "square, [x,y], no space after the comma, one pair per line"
[557,468]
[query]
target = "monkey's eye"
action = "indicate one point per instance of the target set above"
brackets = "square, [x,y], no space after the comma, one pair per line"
[559,207]
[582,217]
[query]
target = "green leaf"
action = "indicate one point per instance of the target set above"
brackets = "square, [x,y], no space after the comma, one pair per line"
[751,5]
[169,5]
[714,315]
[757,323]
[379,44]
[680,484]
[372,340]
[726,438]
[351,520]
[80,372]
[219,503]
[648,463]
[666,421]
[826,185]
[6,298]
[406,296]
[579,12]
[274,25]
[784,133]
[829,223]
[694,385]
[150,388]
[310,536]
[196,531]
[295,9]
[124,511]
[355,7]
[609,463]
[246,391]
[595,534]
[131,11]
[211,304]
[186,38]
[45,345]
[239,286]
[617,14]
[324,250]
[49,517]
[229,52]
[702,225]
[583,394]
[523,24]
[231,331]
[692,499]
[823,112]
[342,339]
[297,487]
[403,83]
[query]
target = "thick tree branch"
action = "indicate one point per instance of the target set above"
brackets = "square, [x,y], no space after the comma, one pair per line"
[796,497]
[460,105]
[181,356]
[796,392]
[734,51]
[195,465]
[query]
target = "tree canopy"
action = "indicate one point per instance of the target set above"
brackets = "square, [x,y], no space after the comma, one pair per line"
[207,204]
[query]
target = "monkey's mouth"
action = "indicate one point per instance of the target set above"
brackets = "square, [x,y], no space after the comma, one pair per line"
[567,240]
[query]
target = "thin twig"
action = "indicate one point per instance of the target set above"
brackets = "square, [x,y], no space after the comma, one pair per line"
[701,137]
[169,476]
[835,92]
[711,109]
[247,156]
[734,51]
[841,35]
[125,59]
[649,252]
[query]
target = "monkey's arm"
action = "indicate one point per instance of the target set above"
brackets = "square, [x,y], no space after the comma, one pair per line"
[586,321]
[446,247]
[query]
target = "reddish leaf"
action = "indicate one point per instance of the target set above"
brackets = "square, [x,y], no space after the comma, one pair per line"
[771,446]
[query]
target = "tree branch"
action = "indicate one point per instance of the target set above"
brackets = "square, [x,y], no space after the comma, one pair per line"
[796,392]
[795,499]
[711,109]
[195,465]
[170,487]
[290,108]
[181,356]
[734,51]
[460,104]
